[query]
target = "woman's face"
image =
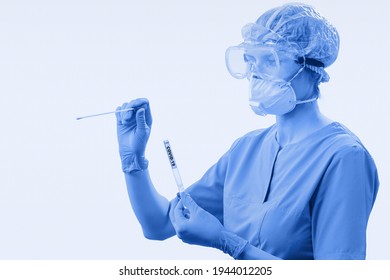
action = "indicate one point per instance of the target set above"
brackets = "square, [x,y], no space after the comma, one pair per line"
[301,83]
[286,71]
[288,66]
[270,63]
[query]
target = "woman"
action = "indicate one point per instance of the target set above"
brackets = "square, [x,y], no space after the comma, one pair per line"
[300,189]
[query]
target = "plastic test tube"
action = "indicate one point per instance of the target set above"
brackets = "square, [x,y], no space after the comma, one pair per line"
[175,170]
[176,174]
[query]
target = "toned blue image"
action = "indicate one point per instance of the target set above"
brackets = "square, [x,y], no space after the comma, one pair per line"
[301,188]
[194,130]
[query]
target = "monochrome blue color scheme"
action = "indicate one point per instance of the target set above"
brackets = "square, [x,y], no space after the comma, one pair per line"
[307,200]
[303,188]
[133,129]
[195,226]
[274,97]
[296,30]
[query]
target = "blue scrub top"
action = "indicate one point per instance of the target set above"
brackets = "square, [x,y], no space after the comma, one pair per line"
[307,200]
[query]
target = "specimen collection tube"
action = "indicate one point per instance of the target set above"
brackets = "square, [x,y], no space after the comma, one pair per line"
[175,170]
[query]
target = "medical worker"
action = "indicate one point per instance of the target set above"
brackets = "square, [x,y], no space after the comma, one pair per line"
[300,189]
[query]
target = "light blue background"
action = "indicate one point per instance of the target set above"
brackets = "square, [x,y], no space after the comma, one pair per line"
[62,192]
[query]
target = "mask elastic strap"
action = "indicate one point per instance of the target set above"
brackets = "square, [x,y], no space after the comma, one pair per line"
[289,82]
[296,74]
[306,101]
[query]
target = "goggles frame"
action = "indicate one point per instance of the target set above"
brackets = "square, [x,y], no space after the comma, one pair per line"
[244,59]
[258,37]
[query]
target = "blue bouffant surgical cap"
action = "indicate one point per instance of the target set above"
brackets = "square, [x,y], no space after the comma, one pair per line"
[303,27]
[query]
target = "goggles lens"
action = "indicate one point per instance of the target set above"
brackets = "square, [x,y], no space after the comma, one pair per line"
[242,60]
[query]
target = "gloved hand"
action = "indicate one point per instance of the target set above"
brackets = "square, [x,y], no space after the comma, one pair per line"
[133,130]
[199,227]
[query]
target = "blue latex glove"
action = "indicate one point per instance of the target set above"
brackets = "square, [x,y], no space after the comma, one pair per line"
[133,130]
[199,227]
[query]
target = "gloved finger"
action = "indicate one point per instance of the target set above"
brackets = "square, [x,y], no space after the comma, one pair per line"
[143,103]
[135,104]
[189,203]
[148,115]
[172,207]
[141,122]
[179,216]
[126,115]
[139,103]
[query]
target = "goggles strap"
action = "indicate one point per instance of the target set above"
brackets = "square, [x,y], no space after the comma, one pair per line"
[310,61]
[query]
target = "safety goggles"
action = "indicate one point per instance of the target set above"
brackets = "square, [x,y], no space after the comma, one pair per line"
[259,53]
[242,60]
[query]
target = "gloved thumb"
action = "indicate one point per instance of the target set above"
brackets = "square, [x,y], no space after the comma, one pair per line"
[140,119]
[188,202]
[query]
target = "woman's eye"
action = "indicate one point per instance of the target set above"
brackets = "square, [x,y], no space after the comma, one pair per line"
[249,59]
[270,60]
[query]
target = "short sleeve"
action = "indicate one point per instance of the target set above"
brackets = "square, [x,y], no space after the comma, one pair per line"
[342,204]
